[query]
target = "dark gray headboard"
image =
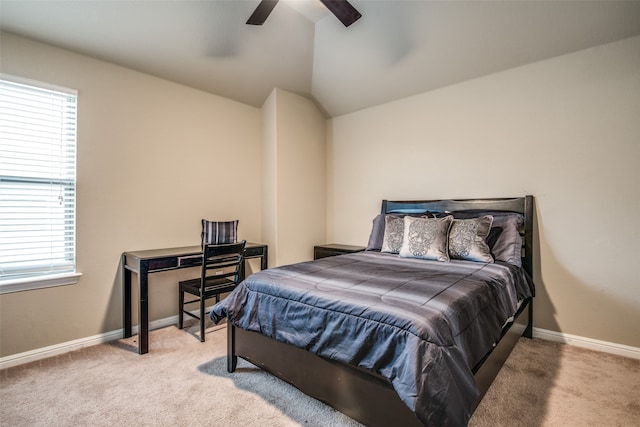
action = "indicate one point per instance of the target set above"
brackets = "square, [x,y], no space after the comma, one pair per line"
[523,205]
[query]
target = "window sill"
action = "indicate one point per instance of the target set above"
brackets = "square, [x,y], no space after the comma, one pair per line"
[31,283]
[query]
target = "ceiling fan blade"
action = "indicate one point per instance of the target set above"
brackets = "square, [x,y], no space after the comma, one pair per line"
[262,12]
[343,10]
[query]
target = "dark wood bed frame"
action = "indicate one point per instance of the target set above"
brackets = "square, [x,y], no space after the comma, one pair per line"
[363,395]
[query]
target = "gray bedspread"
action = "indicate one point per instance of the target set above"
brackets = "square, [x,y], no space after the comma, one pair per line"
[421,324]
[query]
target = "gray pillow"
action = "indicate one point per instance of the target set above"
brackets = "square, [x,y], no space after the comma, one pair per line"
[377,233]
[467,239]
[426,238]
[508,244]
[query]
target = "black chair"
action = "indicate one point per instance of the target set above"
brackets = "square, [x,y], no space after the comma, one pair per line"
[221,266]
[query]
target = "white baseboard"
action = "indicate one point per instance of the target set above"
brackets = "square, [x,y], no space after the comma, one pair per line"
[65,347]
[589,343]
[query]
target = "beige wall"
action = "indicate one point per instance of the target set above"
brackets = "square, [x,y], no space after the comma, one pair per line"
[154,158]
[565,130]
[294,177]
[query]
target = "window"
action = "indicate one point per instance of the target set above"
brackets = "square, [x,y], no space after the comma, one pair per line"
[37,185]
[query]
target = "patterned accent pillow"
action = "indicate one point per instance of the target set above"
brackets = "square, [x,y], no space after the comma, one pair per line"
[467,239]
[219,232]
[504,238]
[426,238]
[376,238]
[393,234]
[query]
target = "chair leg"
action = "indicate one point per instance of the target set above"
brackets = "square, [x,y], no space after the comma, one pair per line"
[180,306]
[202,301]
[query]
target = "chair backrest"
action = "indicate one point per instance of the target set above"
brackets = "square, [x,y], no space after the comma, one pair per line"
[222,261]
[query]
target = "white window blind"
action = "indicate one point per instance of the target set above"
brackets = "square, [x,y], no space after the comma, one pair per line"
[37,179]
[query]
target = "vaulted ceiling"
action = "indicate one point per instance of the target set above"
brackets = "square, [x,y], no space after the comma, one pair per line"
[397,49]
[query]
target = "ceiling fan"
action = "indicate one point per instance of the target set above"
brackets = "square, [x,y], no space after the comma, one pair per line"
[342,9]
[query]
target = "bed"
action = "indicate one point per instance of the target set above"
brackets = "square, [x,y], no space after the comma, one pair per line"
[411,331]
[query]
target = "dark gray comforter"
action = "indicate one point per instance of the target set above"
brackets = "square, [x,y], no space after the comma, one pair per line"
[421,324]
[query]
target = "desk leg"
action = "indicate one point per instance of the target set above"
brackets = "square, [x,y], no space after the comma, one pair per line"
[264,261]
[243,272]
[143,311]
[263,264]
[126,298]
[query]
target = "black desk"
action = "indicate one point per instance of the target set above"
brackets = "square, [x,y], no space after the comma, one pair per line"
[156,260]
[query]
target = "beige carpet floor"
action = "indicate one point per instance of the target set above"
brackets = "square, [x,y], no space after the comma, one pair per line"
[184,382]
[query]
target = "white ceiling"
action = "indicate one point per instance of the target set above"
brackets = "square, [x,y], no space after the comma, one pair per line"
[398,48]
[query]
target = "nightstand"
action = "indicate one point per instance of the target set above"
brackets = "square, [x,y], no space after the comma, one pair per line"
[333,249]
